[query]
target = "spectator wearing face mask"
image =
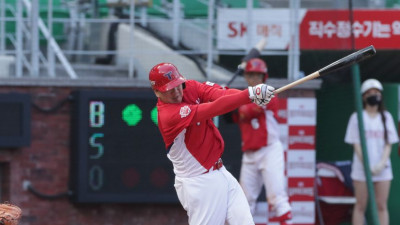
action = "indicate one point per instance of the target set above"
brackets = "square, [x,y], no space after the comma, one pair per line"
[380,134]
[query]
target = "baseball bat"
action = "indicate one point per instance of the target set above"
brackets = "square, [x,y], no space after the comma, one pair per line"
[255,52]
[342,63]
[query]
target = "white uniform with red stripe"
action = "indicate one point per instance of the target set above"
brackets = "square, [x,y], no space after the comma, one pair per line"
[263,156]
[194,146]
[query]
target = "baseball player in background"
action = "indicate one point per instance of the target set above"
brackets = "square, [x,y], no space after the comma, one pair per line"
[206,190]
[380,134]
[263,155]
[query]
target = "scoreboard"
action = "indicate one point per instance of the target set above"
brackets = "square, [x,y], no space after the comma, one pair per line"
[117,152]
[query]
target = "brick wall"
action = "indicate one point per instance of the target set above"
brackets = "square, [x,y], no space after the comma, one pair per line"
[45,164]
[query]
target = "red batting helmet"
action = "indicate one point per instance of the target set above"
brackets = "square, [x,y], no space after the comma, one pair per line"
[164,77]
[256,65]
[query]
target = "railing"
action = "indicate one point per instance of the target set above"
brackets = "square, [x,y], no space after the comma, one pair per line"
[25,42]
[84,24]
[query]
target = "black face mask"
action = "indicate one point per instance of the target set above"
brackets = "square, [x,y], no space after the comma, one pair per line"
[374,100]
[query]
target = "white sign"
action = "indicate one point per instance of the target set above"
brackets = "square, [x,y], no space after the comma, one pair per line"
[303,212]
[302,111]
[238,30]
[300,163]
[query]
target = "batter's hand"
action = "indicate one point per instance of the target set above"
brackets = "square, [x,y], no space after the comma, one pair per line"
[261,94]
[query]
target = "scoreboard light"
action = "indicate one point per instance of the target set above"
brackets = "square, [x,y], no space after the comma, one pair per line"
[154,116]
[132,115]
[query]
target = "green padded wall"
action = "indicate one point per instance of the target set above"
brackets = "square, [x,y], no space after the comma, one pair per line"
[392,103]
[335,103]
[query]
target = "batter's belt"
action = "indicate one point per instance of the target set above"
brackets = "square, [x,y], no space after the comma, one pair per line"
[217,165]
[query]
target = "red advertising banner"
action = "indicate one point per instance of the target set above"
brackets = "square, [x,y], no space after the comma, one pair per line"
[330,29]
[302,137]
[301,189]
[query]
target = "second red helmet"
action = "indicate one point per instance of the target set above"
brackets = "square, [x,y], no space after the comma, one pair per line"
[256,65]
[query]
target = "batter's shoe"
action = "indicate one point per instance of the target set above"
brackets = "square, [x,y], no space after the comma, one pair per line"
[286,219]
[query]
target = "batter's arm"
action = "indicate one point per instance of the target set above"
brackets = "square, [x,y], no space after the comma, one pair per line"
[220,106]
[216,91]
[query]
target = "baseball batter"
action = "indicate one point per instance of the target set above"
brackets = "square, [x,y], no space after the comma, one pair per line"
[263,156]
[206,190]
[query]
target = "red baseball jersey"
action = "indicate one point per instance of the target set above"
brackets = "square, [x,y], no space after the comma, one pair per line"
[194,143]
[258,125]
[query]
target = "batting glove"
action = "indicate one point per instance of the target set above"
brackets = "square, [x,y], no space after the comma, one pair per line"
[261,94]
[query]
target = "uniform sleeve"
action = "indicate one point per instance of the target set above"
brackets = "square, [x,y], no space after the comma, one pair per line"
[220,106]
[273,106]
[249,111]
[392,133]
[209,91]
[352,135]
[176,117]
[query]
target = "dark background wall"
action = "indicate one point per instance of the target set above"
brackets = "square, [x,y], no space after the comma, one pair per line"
[382,66]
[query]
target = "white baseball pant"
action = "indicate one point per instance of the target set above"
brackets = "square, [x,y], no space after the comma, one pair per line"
[265,166]
[213,198]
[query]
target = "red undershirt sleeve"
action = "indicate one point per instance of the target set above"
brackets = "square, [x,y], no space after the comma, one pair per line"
[249,111]
[221,105]
[232,91]
[216,93]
